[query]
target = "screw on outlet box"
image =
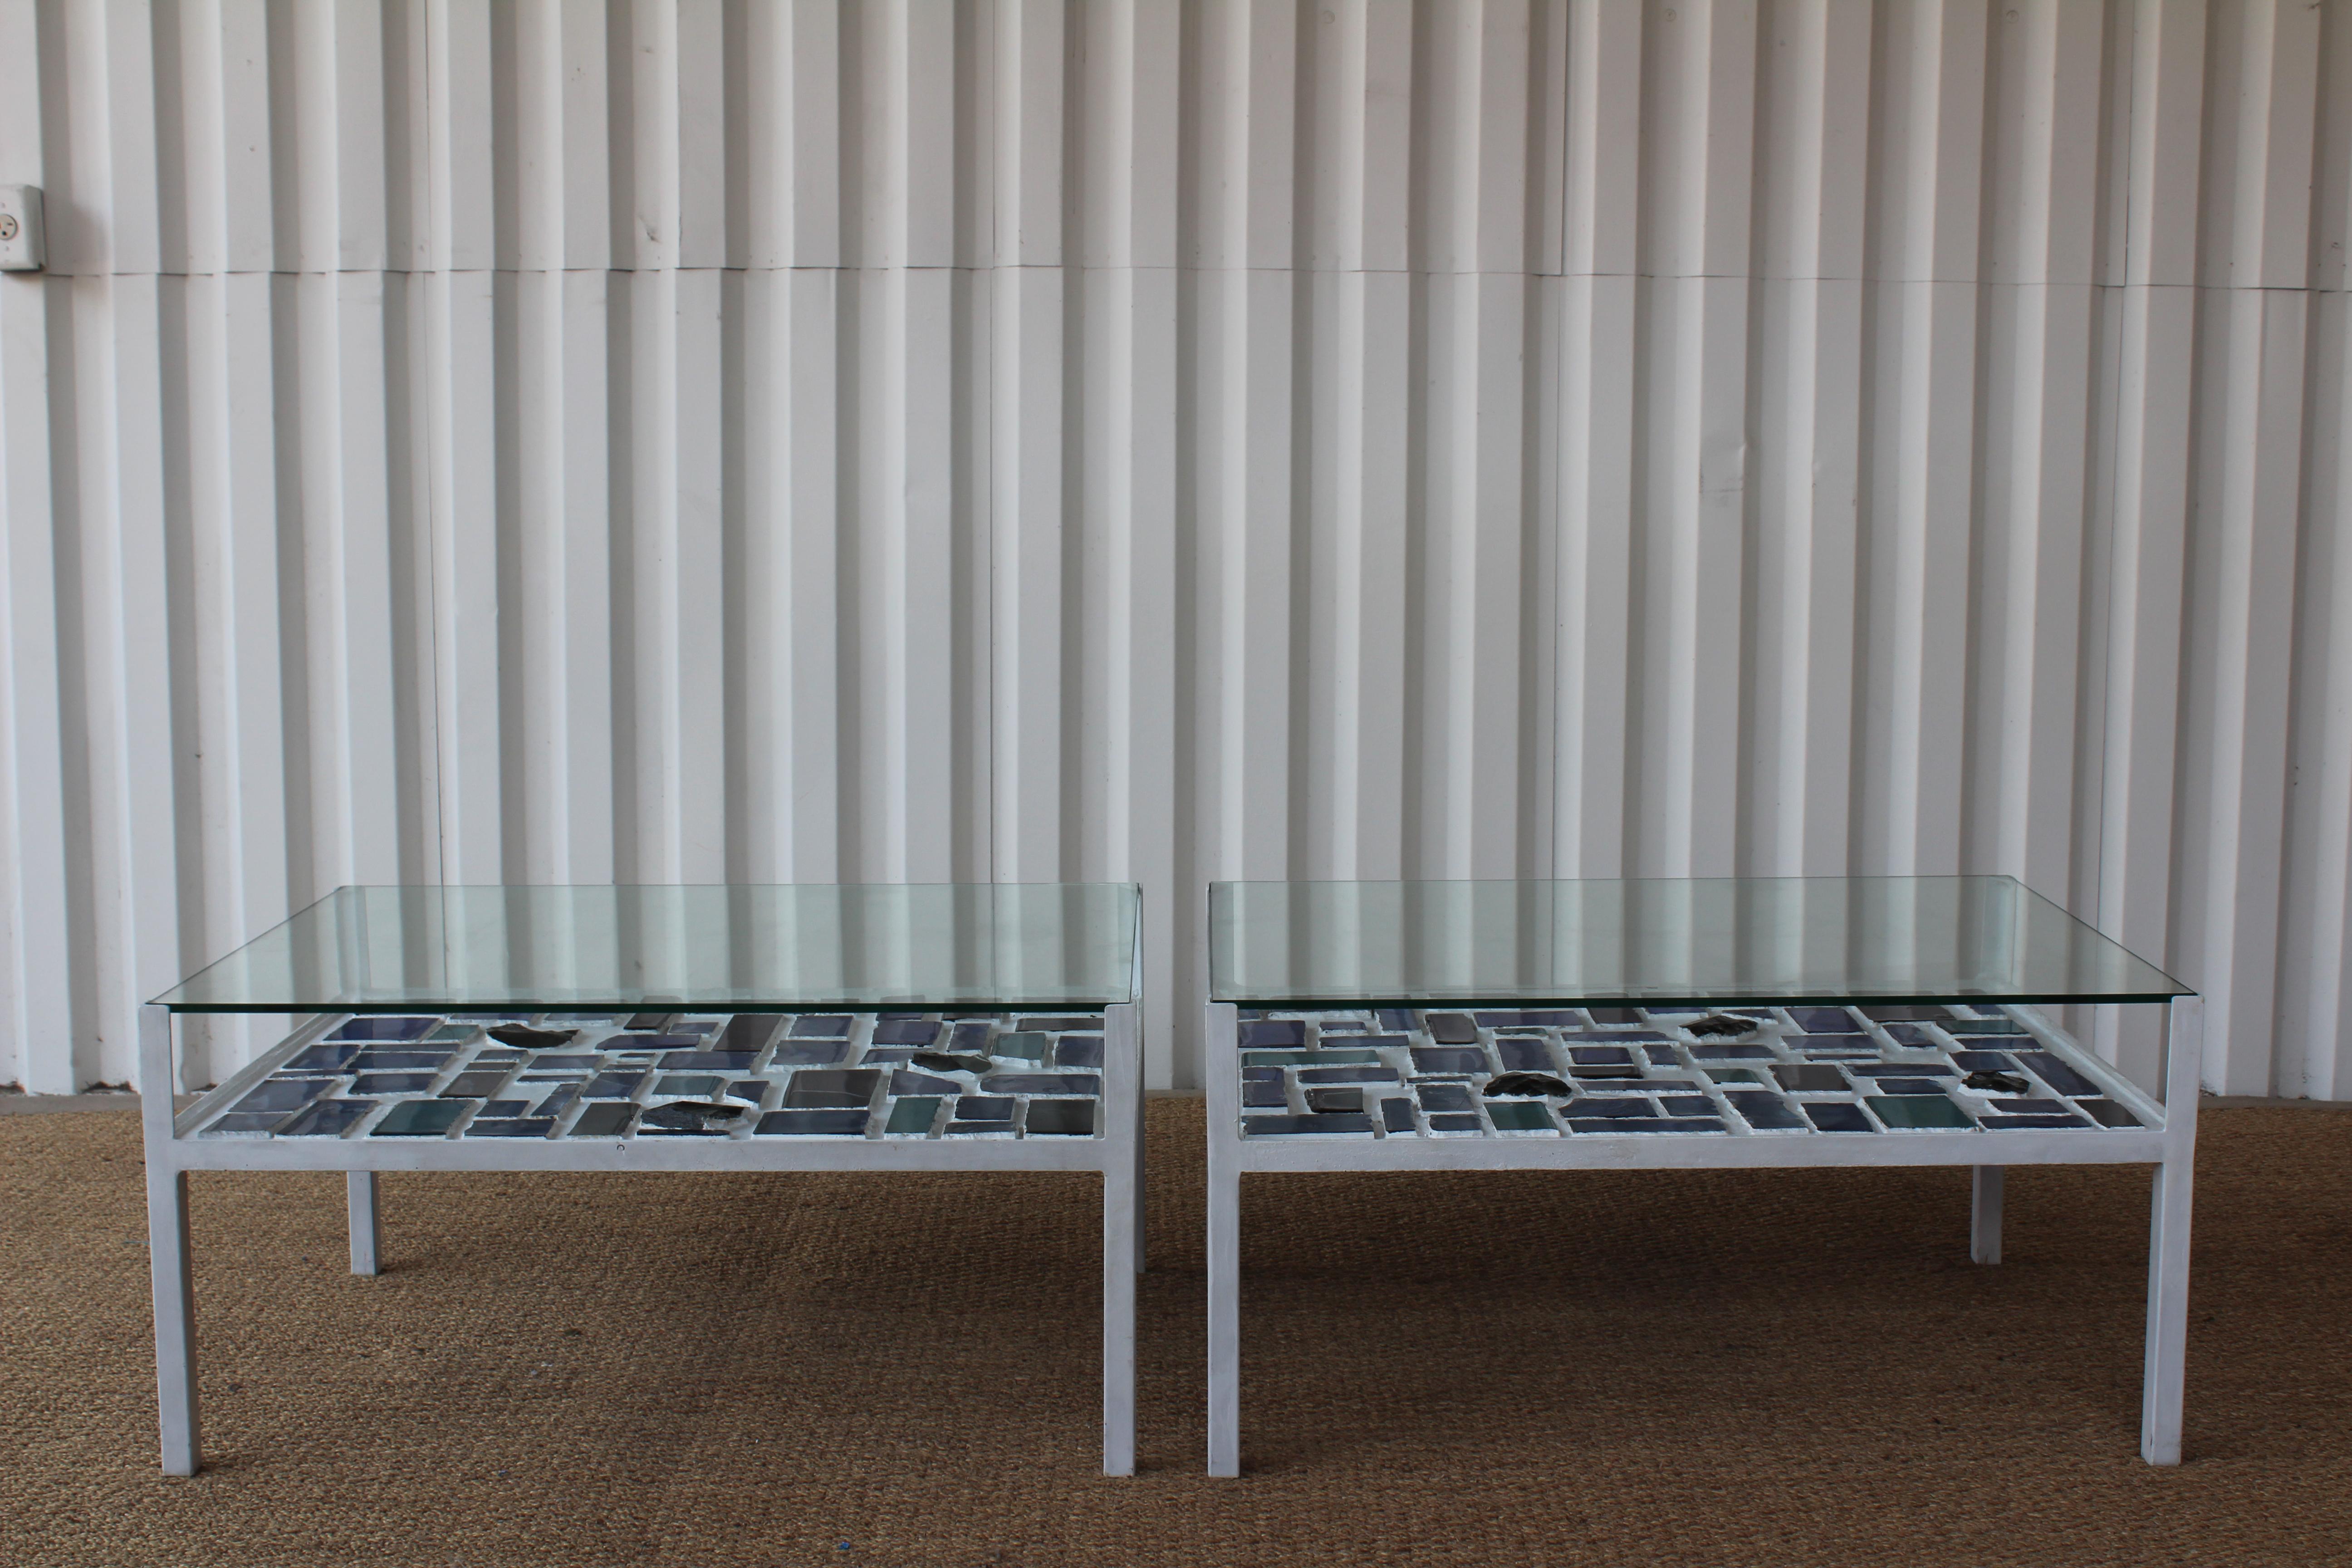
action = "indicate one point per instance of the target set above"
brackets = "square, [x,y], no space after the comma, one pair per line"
[9,226]
[20,229]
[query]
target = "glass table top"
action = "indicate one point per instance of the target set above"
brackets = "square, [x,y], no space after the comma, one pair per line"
[735,948]
[1718,939]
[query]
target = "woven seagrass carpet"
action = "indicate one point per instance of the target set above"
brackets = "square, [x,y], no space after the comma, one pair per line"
[1526,1368]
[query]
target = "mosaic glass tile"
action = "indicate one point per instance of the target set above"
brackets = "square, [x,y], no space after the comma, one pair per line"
[1060,1118]
[1689,1104]
[281,1095]
[1450,1029]
[1836,1116]
[450,1034]
[1903,1013]
[1916,1111]
[321,1058]
[1396,1115]
[2107,1113]
[420,1119]
[509,1127]
[1265,1096]
[809,1052]
[1601,1106]
[1274,1032]
[1732,1053]
[1456,1124]
[473,1085]
[1910,1086]
[821,1089]
[1552,1020]
[1733,1075]
[1300,1058]
[327,1118]
[1983,1061]
[692,1117]
[1287,1126]
[1823,1020]
[1622,1037]
[1600,1055]
[1067,1083]
[1445,1097]
[1077,1021]
[1765,1112]
[1649,1124]
[1022,1045]
[613,1086]
[244,1123]
[913,1116]
[696,1084]
[558,1100]
[1348,1075]
[751,1088]
[384,1029]
[1809,1078]
[498,1109]
[1392,1017]
[971,1037]
[1519,1116]
[1324,1102]
[395,1083]
[1448,1059]
[647,1021]
[569,1060]
[906,1031]
[986,1108]
[2000,1124]
[812,1124]
[1615,1015]
[1599,1074]
[708,1061]
[819,1028]
[1524,1056]
[1078,1051]
[401,1061]
[2057,1074]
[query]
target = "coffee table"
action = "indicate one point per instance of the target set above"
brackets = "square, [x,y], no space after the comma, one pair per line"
[1683,1024]
[796,1028]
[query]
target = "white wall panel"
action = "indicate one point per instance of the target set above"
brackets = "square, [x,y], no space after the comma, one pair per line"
[685,440]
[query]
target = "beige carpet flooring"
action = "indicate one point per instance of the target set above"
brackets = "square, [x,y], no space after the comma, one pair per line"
[1686,1367]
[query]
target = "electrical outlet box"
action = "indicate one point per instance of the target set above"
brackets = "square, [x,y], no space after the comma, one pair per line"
[21,249]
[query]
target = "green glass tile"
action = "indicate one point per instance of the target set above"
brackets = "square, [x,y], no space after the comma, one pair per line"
[1521,1116]
[1326,1058]
[1915,1110]
[1024,1045]
[912,1117]
[421,1117]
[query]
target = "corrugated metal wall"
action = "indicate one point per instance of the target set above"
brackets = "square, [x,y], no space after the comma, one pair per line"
[693,441]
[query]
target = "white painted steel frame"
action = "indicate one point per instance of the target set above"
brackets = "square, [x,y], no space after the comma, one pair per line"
[173,1150]
[2171,1148]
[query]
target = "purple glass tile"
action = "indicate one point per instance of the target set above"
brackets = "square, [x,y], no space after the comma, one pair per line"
[1600,1055]
[1274,1032]
[1524,1056]
[384,1029]
[1910,1035]
[1824,1020]
[819,1028]
[1080,1051]
[969,1038]
[1448,1059]
[918,1032]
[281,1095]
[2026,1123]
[1042,1083]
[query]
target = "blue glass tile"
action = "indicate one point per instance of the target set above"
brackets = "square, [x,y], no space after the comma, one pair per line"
[819,1028]
[1396,1115]
[1445,1097]
[1648,1124]
[321,1058]
[1286,1126]
[809,1052]
[2107,1113]
[2057,1074]
[985,1108]
[1524,1056]
[395,1083]
[612,1085]
[1348,1075]
[327,1118]
[696,1085]
[1042,1083]
[1519,1116]
[1451,1122]
[569,1061]
[1824,1020]
[2021,1123]
[1392,1017]
[1599,1055]
[1274,1032]
[1448,1059]
[905,1082]
[812,1124]
[509,1127]
[1767,1112]
[1687,1105]
[1598,1106]
[1916,1112]
[970,1037]
[384,1029]
[837,1090]
[708,1061]
[244,1122]
[1838,1116]
[1080,1051]
[906,1031]
[1060,1118]
[1910,1035]
[420,1119]
[281,1095]
[912,1117]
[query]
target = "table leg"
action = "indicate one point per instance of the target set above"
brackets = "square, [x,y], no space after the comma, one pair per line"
[1138,1184]
[2167,1244]
[1224,1199]
[1984,1215]
[1118,1319]
[360,1198]
[167,1253]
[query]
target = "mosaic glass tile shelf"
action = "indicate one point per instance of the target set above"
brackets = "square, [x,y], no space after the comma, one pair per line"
[511,1074]
[1385,1073]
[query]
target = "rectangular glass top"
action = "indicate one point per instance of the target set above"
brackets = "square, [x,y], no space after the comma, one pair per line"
[738,947]
[1709,939]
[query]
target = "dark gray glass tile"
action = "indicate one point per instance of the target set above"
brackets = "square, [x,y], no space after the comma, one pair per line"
[1392,1018]
[395,1083]
[1080,1051]
[1275,1033]
[1519,1116]
[1823,1020]
[503,1109]
[985,1108]
[1327,1101]
[1916,1112]
[813,1123]
[281,1095]
[1448,1059]
[905,1082]
[1837,1116]
[1660,1055]
[420,1119]
[751,1088]
[2057,1074]
[1983,1061]
[384,1029]
[708,1061]
[837,1090]
[1731,1053]
[1733,1075]
[1687,1105]
[322,1059]
[558,1100]
[1348,1075]
[1265,1096]
[1285,1126]
[692,1117]
[1600,1055]
[809,1052]
[819,1028]
[1910,1035]
[696,1084]
[612,1085]
[1767,1112]
[1601,1106]
[1450,1029]
[1647,1124]
[243,1121]
[1908,1086]
[510,1126]
[1614,1015]
[1261,1075]
[1060,1118]
[327,1118]
[1524,1056]
[401,1061]
[571,1061]
[1602,1074]
[1396,1115]
[1998,1123]
[970,1037]
[1055,1026]
[475,1085]
[913,1116]
[2107,1113]
[1551,1020]
[1445,1097]
[890,1056]
[1042,1083]
[1340,1026]
[1809,1078]
[654,1021]
[1455,1122]
[920,1032]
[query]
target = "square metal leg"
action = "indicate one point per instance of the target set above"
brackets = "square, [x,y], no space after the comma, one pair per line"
[1122,1232]
[2168,1246]
[1984,1215]
[360,1198]
[167,1253]
[1222,1063]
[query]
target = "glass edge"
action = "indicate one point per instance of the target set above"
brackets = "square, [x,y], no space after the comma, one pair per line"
[1720,999]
